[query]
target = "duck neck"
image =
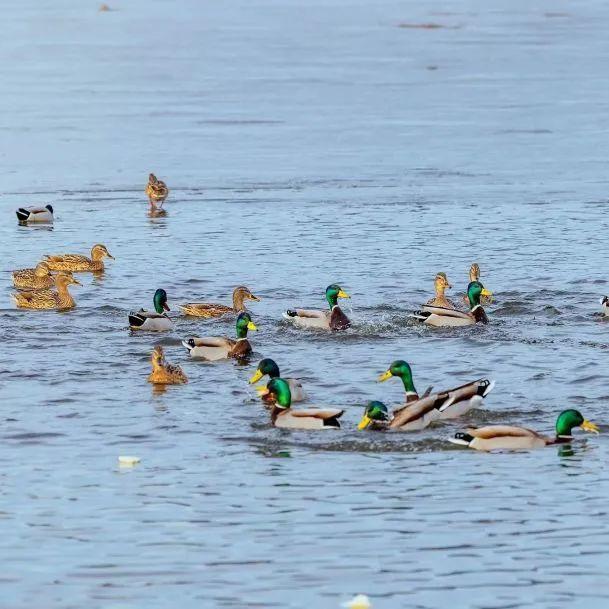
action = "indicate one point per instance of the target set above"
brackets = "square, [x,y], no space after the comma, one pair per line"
[238,300]
[409,387]
[63,295]
[332,300]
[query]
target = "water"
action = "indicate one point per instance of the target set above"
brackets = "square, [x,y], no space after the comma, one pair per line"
[304,144]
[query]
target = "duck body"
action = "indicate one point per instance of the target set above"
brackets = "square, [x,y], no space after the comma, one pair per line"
[76,263]
[284,417]
[38,278]
[333,319]
[41,215]
[59,299]
[447,317]
[152,321]
[215,348]
[210,310]
[164,373]
[507,437]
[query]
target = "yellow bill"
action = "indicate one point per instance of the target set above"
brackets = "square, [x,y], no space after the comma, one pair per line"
[385,376]
[589,426]
[256,377]
[366,420]
[486,293]
[251,326]
[342,294]
[262,390]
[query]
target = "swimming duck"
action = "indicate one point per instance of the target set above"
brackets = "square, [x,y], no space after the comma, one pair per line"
[474,275]
[219,347]
[27,215]
[49,299]
[439,316]
[334,319]
[38,278]
[164,373]
[154,321]
[441,285]
[205,309]
[283,416]
[376,416]
[76,263]
[419,411]
[267,366]
[506,437]
[156,190]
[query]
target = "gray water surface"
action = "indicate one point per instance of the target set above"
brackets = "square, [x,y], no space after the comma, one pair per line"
[304,144]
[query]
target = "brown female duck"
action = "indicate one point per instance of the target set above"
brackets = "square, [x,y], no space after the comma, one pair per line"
[164,373]
[49,299]
[208,309]
[156,190]
[38,278]
[76,263]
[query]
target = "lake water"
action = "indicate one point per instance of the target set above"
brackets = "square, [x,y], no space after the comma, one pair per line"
[304,144]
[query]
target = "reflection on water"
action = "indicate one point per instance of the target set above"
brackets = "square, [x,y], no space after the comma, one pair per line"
[301,148]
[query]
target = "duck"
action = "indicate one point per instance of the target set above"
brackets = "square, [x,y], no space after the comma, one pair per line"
[60,298]
[376,416]
[27,215]
[164,373]
[218,347]
[38,278]
[269,367]
[439,316]
[284,417]
[206,309]
[605,305]
[154,321]
[333,319]
[441,285]
[419,412]
[156,190]
[507,437]
[474,275]
[76,263]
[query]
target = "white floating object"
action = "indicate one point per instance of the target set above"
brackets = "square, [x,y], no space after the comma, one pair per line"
[27,215]
[128,461]
[359,601]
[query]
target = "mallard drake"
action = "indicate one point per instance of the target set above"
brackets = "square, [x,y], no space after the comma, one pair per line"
[156,190]
[75,263]
[283,416]
[418,412]
[219,347]
[49,299]
[206,309]
[439,316]
[164,373]
[27,215]
[334,319]
[474,275]
[38,278]
[376,416]
[441,285]
[154,321]
[269,367]
[506,437]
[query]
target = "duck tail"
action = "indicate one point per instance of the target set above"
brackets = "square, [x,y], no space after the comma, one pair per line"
[23,214]
[420,315]
[461,439]
[485,387]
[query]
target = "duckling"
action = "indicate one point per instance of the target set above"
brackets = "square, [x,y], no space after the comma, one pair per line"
[438,316]
[507,437]
[49,299]
[76,263]
[269,366]
[164,373]
[284,417]
[205,309]
[40,215]
[38,278]
[439,300]
[156,190]
[419,412]
[154,321]
[334,319]
[219,347]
